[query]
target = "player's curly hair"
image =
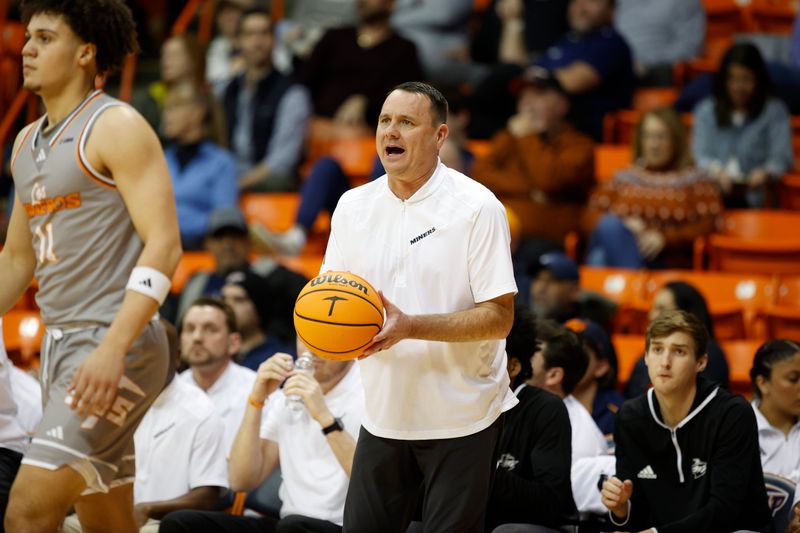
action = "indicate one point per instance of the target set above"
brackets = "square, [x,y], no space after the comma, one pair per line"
[108,24]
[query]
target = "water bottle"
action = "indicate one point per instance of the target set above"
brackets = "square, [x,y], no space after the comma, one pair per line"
[303,364]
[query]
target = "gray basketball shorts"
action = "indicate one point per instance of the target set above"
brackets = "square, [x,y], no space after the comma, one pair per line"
[98,446]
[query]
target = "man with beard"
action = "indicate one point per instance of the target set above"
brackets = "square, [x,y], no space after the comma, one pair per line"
[209,340]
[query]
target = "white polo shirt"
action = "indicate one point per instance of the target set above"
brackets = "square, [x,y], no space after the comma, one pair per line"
[441,251]
[179,445]
[314,483]
[229,396]
[587,439]
[779,454]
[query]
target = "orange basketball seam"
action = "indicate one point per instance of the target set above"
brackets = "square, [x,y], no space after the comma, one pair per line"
[346,292]
[336,323]
[329,351]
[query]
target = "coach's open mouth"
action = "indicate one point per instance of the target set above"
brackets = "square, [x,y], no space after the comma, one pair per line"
[394,150]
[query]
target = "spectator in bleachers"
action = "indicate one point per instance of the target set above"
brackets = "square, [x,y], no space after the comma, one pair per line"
[439,29]
[517,32]
[532,483]
[540,166]
[660,34]
[352,69]
[305,23]
[558,365]
[651,213]
[248,295]
[20,413]
[314,449]
[687,451]
[593,63]
[210,339]
[267,112]
[181,62]
[203,173]
[180,455]
[742,134]
[227,240]
[555,292]
[512,35]
[673,296]
[597,389]
[223,58]
[776,383]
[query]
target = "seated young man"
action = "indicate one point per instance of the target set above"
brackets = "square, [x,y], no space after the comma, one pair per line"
[531,485]
[314,448]
[687,451]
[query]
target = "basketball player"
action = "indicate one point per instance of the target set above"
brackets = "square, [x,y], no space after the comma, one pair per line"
[94,220]
[435,379]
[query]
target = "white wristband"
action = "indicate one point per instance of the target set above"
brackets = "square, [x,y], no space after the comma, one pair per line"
[150,282]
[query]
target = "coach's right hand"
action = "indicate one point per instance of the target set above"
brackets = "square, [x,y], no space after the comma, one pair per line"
[615,495]
[270,374]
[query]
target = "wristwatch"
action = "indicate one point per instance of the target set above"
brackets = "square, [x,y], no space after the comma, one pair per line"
[337,425]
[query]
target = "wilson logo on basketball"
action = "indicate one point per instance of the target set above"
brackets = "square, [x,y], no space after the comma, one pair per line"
[342,280]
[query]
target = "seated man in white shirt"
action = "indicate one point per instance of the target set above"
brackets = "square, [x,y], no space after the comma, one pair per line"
[314,447]
[210,339]
[180,456]
[558,366]
[20,413]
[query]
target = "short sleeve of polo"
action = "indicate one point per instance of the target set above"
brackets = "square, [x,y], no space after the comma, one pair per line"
[491,272]
[270,423]
[207,465]
[333,259]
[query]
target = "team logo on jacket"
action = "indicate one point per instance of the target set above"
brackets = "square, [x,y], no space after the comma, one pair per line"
[507,462]
[698,468]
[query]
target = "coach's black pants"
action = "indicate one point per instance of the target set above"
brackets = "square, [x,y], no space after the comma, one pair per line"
[449,478]
[217,522]
[9,466]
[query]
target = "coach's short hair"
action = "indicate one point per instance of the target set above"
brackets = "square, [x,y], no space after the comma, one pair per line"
[210,301]
[108,24]
[563,349]
[439,107]
[669,322]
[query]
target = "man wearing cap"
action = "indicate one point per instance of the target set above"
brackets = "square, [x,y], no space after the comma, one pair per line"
[540,166]
[247,294]
[555,292]
[227,240]
[597,390]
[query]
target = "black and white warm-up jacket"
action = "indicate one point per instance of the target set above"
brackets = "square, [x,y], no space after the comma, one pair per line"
[703,475]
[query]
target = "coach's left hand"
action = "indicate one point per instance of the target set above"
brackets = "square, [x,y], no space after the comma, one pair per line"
[95,383]
[396,327]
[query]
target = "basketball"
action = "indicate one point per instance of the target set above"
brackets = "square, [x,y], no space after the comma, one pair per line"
[337,314]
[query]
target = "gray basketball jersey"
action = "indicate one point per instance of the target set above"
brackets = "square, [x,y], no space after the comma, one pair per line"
[83,237]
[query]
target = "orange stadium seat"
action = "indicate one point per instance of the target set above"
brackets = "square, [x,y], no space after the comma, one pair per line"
[22,333]
[756,241]
[277,211]
[772,16]
[782,322]
[734,300]
[653,98]
[617,284]
[789,195]
[629,349]
[190,264]
[723,18]
[739,355]
[308,264]
[609,159]
[353,148]
[479,147]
